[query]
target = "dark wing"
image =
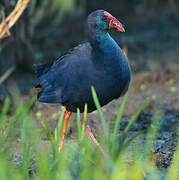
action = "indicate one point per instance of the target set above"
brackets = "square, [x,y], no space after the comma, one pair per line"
[41,69]
[54,77]
[71,51]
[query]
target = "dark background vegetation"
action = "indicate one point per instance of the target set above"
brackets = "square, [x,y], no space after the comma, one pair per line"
[47,29]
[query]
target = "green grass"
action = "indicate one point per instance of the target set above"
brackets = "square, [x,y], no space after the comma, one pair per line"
[79,159]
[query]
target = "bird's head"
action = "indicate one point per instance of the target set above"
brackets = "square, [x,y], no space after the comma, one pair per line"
[103,21]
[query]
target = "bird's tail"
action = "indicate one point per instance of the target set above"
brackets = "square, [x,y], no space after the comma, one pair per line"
[46,92]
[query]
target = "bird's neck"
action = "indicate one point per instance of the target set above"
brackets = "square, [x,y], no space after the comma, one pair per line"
[102,42]
[97,38]
[108,53]
[106,49]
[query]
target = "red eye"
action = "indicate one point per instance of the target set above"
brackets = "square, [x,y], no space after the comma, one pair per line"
[104,18]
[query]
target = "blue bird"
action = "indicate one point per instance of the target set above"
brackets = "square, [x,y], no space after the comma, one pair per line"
[99,62]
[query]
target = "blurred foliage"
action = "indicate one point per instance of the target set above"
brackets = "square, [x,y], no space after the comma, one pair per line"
[39,15]
[41,24]
[56,8]
[29,158]
[37,22]
[48,28]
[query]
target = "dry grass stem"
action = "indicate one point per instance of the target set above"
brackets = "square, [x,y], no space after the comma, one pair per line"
[7,74]
[8,22]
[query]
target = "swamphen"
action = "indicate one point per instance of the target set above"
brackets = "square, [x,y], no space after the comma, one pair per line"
[99,62]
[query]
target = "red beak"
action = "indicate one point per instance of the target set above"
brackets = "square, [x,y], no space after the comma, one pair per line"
[114,24]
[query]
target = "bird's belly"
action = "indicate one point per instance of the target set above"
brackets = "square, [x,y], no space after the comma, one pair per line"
[106,92]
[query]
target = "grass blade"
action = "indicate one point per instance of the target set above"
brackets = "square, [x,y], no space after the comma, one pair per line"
[4,112]
[132,138]
[10,124]
[152,134]
[118,120]
[58,129]
[84,122]
[132,121]
[79,123]
[48,131]
[98,106]
[30,104]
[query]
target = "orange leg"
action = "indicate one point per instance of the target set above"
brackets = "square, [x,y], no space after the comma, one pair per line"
[92,138]
[64,128]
